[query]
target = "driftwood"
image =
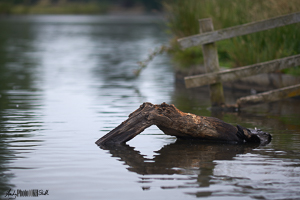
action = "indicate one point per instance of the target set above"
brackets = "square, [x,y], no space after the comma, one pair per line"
[182,125]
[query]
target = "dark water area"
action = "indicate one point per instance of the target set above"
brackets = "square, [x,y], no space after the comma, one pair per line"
[65,81]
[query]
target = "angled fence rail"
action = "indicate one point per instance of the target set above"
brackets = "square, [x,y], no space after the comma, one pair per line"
[214,76]
[237,73]
[239,30]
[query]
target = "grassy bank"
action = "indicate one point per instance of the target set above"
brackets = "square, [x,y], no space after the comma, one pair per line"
[240,51]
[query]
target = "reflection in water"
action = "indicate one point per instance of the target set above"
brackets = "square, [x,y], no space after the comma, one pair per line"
[4,172]
[215,169]
[186,157]
[19,98]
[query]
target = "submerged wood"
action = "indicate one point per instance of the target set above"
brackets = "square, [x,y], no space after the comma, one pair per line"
[174,122]
[269,96]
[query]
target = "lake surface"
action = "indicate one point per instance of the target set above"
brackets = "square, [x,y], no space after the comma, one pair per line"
[65,81]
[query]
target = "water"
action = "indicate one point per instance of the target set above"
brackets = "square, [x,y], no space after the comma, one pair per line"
[65,81]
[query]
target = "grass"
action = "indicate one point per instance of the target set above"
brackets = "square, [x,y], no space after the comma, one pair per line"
[240,51]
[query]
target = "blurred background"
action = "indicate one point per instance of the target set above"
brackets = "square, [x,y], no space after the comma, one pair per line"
[78,6]
[68,77]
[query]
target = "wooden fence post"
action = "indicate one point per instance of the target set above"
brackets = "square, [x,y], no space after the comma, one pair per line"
[211,62]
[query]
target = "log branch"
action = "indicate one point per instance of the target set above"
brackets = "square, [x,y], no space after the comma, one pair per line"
[174,122]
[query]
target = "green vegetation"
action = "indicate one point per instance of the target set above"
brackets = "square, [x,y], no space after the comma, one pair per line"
[240,51]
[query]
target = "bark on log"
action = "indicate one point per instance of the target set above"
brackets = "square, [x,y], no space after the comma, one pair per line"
[182,125]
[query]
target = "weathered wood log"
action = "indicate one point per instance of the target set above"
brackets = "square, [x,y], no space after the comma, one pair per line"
[174,122]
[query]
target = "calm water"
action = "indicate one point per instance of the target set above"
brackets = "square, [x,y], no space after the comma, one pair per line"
[65,81]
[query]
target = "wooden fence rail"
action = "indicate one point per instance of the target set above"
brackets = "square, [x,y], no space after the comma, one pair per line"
[234,74]
[214,77]
[240,30]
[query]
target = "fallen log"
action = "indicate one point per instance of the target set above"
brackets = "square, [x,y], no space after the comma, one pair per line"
[174,122]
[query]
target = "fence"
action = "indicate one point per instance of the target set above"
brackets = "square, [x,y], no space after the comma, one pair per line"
[214,77]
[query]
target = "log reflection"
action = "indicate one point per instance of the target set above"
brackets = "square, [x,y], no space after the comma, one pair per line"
[187,157]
